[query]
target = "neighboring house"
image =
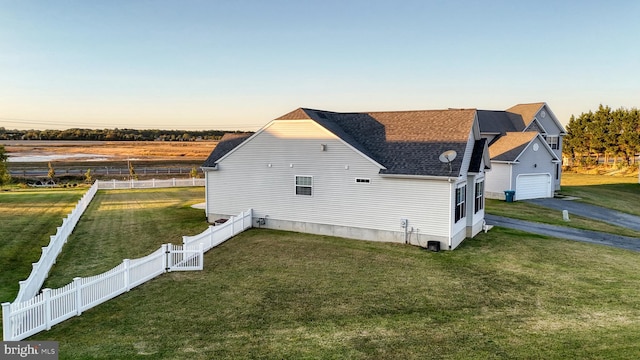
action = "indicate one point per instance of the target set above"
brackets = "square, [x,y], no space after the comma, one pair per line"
[374,176]
[516,162]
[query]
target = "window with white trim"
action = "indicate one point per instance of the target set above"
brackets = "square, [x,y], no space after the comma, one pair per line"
[304,185]
[479,199]
[461,193]
[553,141]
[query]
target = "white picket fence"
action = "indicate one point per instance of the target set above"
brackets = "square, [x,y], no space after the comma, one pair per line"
[215,235]
[147,184]
[23,319]
[32,285]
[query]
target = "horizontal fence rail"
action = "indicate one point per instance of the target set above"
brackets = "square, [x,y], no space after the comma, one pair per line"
[215,235]
[147,184]
[30,287]
[22,319]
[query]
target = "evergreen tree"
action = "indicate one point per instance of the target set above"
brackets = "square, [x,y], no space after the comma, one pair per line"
[132,172]
[88,177]
[52,172]
[5,176]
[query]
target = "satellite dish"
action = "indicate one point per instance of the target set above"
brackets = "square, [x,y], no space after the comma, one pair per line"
[448,156]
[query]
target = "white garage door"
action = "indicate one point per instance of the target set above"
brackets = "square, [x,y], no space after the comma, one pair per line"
[533,186]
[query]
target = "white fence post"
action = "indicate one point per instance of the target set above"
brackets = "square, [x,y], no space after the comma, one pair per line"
[77,288]
[6,322]
[201,256]
[46,293]
[165,258]
[126,274]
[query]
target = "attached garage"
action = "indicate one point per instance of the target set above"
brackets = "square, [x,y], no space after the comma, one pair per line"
[532,186]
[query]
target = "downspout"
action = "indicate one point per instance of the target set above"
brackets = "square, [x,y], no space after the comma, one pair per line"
[206,195]
[450,213]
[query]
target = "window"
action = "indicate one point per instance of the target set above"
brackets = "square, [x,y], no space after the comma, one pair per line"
[554,142]
[479,203]
[362,181]
[304,185]
[460,208]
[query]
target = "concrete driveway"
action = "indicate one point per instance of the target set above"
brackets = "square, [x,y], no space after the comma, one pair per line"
[577,208]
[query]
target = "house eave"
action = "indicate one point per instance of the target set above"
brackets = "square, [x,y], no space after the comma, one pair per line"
[420,177]
[504,162]
[209,168]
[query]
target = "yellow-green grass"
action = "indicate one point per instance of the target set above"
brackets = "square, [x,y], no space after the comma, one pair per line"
[127,224]
[27,220]
[526,211]
[272,295]
[614,192]
[281,295]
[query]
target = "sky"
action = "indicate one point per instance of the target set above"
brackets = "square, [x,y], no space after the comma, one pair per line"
[237,64]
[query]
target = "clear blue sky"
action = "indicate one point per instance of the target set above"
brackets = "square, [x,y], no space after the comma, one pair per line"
[237,64]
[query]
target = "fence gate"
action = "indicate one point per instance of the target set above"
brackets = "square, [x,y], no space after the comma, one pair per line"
[185,258]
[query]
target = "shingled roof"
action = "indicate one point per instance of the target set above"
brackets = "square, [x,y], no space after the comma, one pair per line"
[499,122]
[527,111]
[227,143]
[509,146]
[404,142]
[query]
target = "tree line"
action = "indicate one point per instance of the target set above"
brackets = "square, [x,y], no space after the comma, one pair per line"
[603,135]
[112,134]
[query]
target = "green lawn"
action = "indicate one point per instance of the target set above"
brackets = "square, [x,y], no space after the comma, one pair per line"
[615,192]
[273,295]
[27,220]
[121,224]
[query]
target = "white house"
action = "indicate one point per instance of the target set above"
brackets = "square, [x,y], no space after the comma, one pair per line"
[383,176]
[516,162]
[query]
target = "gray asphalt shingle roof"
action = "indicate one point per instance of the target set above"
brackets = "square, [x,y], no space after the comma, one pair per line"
[509,146]
[499,121]
[404,142]
[227,143]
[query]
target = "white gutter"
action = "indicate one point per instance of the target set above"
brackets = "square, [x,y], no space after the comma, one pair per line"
[420,177]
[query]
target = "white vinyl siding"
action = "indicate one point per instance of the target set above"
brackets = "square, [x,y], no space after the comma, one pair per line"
[294,148]
[497,180]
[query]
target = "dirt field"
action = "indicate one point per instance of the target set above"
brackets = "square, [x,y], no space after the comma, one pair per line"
[115,150]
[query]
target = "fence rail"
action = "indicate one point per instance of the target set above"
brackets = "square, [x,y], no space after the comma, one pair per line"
[147,184]
[22,319]
[215,235]
[30,286]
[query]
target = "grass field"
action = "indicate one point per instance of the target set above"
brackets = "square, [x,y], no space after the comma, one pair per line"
[27,220]
[615,192]
[273,295]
